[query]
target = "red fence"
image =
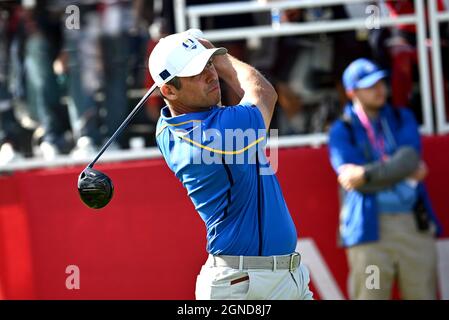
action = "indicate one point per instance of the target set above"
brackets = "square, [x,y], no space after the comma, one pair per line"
[149,243]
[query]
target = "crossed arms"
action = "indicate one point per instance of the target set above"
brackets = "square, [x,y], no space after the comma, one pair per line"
[376,176]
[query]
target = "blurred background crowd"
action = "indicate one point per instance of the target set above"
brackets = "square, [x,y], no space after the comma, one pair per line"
[65,90]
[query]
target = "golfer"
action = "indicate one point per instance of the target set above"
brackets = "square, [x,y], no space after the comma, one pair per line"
[217,153]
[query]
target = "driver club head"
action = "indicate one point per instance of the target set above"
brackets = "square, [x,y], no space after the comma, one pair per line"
[95,188]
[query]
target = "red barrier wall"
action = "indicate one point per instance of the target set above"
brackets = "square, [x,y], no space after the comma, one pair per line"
[149,243]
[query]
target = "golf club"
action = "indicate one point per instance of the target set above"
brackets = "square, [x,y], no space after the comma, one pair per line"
[95,188]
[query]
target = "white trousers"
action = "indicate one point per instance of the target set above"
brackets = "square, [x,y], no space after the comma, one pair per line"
[224,283]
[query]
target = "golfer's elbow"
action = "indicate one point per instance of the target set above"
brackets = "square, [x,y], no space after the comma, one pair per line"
[266,103]
[270,98]
[273,96]
[262,94]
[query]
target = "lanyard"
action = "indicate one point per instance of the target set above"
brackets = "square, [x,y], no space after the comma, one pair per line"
[377,142]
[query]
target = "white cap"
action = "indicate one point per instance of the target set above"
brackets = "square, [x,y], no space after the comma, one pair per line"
[179,55]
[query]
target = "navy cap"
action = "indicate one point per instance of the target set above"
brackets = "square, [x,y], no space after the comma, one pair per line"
[362,73]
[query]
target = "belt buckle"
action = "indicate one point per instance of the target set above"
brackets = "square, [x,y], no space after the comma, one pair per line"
[292,261]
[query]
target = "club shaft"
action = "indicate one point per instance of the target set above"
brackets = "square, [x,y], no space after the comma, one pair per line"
[124,124]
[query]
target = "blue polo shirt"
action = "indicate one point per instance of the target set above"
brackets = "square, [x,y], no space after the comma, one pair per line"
[216,154]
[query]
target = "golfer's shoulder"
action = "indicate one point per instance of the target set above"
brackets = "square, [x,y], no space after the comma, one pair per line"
[242,115]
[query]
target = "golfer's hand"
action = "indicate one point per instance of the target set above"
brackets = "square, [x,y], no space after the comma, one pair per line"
[351,176]
[206,43]
[221,62]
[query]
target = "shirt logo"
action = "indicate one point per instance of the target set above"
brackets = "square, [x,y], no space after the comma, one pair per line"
[189,44]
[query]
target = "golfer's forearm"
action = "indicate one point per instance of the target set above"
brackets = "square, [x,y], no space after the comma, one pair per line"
[233,72]
[249,84]
[242,77]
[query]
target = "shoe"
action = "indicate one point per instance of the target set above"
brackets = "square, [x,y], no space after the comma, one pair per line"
[8,154]
[48,150]
[84,148]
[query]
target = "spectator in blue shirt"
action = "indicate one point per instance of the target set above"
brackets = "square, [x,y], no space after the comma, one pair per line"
[386,221]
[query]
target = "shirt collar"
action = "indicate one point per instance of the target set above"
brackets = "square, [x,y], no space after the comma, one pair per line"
[184,118]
